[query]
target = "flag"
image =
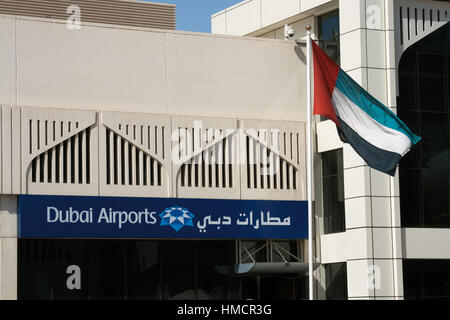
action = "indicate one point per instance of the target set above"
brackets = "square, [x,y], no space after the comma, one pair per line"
[374,131]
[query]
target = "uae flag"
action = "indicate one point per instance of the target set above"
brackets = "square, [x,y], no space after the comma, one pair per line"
[374,131]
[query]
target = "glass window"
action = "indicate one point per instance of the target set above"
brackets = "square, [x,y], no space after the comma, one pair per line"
[426,279]
[336,281]
[212,285]
[329,34]
[106,270]
[333,191]
[285,251]
[253,250]
[423,104]
[144,270]
[124,269]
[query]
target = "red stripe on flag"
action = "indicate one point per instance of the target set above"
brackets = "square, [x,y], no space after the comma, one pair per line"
[326,72]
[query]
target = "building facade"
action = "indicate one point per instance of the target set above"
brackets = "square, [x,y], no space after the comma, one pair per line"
[135,161]
[132,163]
[376,238]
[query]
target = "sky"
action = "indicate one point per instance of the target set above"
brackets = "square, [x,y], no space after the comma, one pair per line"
[195,15]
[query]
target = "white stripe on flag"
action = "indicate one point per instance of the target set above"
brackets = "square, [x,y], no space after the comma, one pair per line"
[368,128]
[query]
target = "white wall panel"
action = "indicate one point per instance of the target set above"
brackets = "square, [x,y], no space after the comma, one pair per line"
[426,243]
[91,68]
[244,18]
[8,61]
[327,136]
[246,78]
[273,12]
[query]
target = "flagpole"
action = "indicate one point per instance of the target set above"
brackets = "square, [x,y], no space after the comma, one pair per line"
[308,162]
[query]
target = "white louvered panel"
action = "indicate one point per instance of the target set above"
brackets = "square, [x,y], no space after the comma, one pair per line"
[44,166]
[15,150]
[68,162]
[220,161]
[37,170]
[144,141]
[275,158]
[119,159]
[204,170]
[275,161]
[6,149]
[52,164]
[133,165]
[55,151]
[126,163]
[415,19]
[227,157]
[198,161]
[60,148]
[76,158]
[140,176]
[83,177]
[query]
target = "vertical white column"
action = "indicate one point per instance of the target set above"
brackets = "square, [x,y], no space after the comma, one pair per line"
[8,247]
[372,221]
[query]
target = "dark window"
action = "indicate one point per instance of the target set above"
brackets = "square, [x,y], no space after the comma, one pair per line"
[336,281]
[423,104]
[426,279]
[285,251]
[125,269]
[333,191]
[253,250]
[329,34]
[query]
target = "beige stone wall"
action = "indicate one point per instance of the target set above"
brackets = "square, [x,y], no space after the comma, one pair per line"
[148,70]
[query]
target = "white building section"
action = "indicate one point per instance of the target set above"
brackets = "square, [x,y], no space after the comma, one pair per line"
[372,37]
[129,111]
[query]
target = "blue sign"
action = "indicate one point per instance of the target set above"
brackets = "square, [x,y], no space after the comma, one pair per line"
[160,218]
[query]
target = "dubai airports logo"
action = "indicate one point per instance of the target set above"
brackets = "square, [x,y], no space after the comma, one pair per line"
[177,218]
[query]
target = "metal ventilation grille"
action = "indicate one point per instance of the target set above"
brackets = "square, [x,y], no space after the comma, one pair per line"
[211,167]
[127,164]
[67,162]
[268,167]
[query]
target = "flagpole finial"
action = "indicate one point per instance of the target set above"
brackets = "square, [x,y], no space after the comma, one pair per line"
[308,27]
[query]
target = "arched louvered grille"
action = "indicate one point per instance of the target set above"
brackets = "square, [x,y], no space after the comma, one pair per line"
[59,151]
[267,164]
[79,152]
[135,154]
[418,18]
[66,162]
[127,164]
[205,157]
[415,19]
[274,154]
[211,167]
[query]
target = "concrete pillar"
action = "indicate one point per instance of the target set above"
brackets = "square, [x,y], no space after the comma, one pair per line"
[8,247]
[374,265]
